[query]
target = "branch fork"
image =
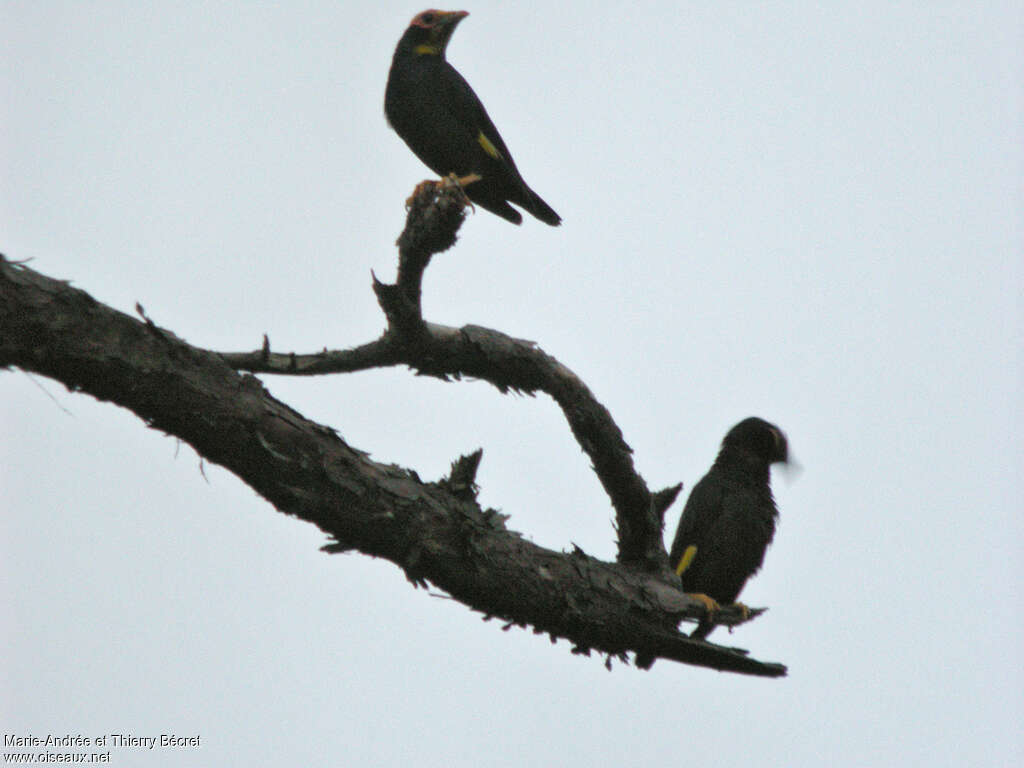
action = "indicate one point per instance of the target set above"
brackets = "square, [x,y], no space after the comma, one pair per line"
[436,532]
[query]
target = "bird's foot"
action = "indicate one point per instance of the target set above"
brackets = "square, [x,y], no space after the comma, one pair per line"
[744,610]
[451,181]
[460,182]
[710,605]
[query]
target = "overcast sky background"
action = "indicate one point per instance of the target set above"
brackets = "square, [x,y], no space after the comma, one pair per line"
[793,211]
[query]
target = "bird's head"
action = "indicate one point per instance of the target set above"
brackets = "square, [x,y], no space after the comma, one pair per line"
[430,31]
[759,440]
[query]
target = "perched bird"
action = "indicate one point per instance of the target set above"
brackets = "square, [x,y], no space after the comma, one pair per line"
[729,519]
[439,116]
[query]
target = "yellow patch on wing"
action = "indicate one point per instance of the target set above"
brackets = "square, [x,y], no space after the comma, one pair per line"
[426,49]
[489,148]
[684,562]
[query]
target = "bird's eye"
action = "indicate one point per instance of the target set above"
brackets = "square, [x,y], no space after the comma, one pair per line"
[427,18]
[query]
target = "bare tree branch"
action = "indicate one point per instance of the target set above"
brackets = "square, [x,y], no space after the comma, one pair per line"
[435,532]
[489,355]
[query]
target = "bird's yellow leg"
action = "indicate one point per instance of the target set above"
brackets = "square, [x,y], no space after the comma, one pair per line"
[461,181]
[709,603]
[453,180]
[449,181]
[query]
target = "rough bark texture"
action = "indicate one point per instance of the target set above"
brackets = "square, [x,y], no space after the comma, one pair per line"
[435,214]
[435,532]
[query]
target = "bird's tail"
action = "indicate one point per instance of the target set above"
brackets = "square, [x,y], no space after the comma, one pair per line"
[540,209]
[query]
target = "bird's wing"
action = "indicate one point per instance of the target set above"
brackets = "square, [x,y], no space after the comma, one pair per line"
[737,541]
[465,105]
[702,507]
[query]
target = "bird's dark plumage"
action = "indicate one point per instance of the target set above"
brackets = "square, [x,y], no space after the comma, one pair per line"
[439,116]
[729,519]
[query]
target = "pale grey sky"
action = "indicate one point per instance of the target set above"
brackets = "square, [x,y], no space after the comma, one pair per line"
[793,210]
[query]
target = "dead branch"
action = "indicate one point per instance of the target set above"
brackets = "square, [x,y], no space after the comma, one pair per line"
[435,532]
[508,363]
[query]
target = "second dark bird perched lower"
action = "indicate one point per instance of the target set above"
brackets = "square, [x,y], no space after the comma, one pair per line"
[729,519]
[438,115]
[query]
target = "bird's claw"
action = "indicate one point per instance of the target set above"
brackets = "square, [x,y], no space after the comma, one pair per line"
[744,612]
[452,180]
[710,605]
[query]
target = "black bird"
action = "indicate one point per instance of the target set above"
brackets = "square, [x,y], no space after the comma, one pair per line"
[729,519]
[439,116]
